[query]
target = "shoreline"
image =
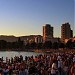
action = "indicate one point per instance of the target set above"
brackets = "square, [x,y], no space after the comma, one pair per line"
[38,50]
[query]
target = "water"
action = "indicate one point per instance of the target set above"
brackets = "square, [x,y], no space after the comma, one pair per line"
[10,54]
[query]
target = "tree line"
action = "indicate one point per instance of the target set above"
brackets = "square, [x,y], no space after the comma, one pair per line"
[19,45]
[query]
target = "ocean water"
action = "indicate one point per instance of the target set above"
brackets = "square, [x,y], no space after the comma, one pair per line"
[10,54]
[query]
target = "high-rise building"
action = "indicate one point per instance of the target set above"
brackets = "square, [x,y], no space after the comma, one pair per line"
[66,32]
[47,32]
[71,33]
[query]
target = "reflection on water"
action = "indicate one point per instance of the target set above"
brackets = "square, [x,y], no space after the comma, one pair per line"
[10,54]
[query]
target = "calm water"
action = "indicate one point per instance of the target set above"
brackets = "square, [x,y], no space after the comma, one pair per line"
[10,54]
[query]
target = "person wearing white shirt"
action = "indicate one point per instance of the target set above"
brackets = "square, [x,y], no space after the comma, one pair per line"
[54,69]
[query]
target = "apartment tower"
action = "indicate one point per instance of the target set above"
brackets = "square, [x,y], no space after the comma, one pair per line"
[66,32]
[47,32]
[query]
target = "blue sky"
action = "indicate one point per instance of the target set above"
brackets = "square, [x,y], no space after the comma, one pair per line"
[26,17]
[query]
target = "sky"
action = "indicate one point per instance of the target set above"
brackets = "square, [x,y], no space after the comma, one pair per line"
[26,17]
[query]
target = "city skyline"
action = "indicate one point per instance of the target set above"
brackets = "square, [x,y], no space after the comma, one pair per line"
[26,17]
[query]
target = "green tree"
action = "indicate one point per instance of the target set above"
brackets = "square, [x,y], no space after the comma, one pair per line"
[47,45]
[61,45]
[15,45]
[27,46]
[39,45]
[3,44]
[33,45]
[20,43]
[9,45]
[69,44]
[73,44]
[55,45]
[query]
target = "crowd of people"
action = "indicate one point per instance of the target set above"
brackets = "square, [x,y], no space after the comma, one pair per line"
[46,64]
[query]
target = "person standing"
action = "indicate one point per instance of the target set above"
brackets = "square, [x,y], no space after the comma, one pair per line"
[54,68]
[73,69]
